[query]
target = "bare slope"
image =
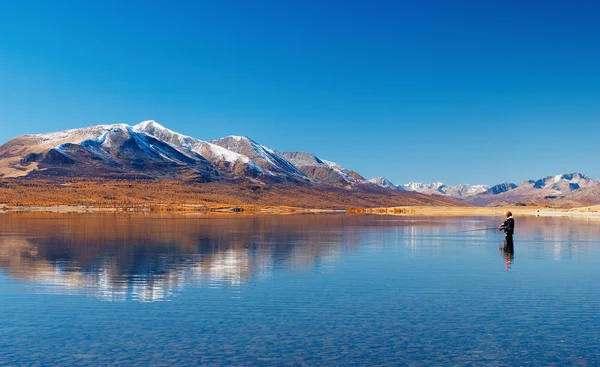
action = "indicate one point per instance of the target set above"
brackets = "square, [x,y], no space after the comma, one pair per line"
[157,192]
[323,171]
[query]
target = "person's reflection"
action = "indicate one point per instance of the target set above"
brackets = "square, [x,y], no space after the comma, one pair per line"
[508,260]
[508,253]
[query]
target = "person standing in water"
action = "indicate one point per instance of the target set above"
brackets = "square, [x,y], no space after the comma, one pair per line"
[509,229]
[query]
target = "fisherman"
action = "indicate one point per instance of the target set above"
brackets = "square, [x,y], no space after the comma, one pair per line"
[509,229]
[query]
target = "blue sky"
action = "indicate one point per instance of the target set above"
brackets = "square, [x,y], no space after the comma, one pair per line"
[453,91]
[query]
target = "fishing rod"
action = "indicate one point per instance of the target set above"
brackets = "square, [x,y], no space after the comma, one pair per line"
[478,230]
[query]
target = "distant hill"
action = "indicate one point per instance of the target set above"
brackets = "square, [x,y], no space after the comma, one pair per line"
[439,188]
[548,189]
[563,190]
[385,183]
[500,188]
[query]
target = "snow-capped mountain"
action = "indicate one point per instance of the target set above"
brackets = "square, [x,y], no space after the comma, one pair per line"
[385,183]
[439,188]
[148,149]
[104,150]
[321,170]
[462,191]
[262,155]
[224,159]
[422,187]
[564,183]
[561,186]
[575,187]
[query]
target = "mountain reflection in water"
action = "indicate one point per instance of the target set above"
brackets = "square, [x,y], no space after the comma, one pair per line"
[119,258]
[150,258]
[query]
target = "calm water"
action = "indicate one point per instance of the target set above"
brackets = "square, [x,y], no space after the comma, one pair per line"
[297,291]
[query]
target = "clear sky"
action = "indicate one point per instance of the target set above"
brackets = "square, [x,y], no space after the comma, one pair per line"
[453,91]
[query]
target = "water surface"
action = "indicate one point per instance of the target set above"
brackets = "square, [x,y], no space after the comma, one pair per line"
[310,290]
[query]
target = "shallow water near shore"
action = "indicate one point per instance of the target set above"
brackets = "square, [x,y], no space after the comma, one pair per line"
[304,290]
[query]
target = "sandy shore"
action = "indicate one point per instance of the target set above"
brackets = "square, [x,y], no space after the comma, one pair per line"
[586,212]
[79,209]
[186,210]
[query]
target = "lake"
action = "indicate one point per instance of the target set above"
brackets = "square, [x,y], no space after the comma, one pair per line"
[304,290]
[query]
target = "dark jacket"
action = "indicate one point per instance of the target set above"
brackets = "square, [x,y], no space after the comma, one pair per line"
[509,226]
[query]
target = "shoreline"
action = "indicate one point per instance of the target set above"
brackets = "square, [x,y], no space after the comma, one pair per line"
[440,211]
[433,211]
[162,209]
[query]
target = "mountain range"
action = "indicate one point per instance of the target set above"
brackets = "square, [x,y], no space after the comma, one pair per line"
[152,151]
[149,150]
[235,170]
[439,188]
[575,188]
[568,189]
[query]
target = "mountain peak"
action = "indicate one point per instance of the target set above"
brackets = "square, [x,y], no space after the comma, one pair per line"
[149,125]
[238,138]
[383,182]
[500,188]
[564,182]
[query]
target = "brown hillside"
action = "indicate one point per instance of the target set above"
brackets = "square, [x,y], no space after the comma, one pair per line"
[148,192]
[589,195]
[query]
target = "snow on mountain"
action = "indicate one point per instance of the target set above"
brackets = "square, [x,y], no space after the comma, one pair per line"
[75,135]
[464,190]
[350,176]
[151,150]
[439,188]
[564,183]
[555,185]
[385,183]
[322,171]
[221,157]
[549,188]
[422,187]
[262,155]
[122,149]
[103,150]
